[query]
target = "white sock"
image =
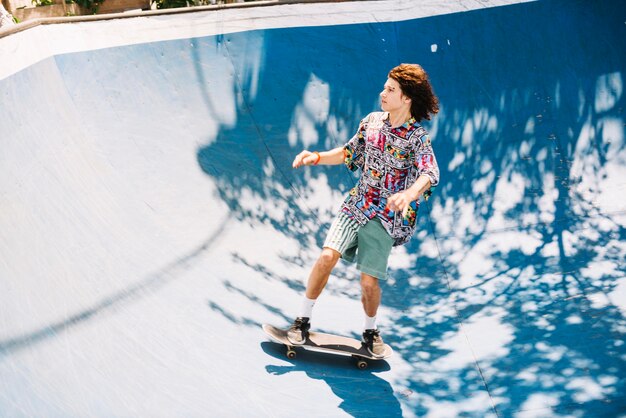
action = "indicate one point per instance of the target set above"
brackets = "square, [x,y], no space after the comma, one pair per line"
[370,322]
[306,309]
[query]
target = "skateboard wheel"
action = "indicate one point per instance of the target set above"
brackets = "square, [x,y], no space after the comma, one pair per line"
[291,354]
[361,364]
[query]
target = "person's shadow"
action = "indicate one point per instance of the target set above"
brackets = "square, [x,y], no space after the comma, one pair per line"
[363,393]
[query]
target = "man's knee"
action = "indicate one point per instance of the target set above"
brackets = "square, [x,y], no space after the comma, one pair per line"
[328,258]
[369,284]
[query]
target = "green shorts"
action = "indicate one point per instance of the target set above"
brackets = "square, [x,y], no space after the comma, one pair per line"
[369,245]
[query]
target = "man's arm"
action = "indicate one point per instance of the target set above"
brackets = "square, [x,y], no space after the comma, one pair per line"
[401,201]
[332,157]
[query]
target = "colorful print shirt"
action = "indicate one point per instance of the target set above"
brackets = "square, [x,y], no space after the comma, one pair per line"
[391,160]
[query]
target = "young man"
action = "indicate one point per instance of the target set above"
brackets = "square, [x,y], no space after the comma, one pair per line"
[397,166]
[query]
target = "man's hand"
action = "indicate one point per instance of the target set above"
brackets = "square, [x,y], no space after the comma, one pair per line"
[400,202]
[304,158]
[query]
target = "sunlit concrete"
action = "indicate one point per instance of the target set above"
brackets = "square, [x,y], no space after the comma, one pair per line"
[150,220]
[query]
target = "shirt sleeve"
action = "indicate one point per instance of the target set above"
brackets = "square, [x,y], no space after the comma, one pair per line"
[354,150]
[426,164]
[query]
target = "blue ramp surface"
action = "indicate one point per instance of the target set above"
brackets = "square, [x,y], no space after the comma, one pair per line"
[151,221]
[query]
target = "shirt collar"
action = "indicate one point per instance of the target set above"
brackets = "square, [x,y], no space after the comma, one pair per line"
[405,125]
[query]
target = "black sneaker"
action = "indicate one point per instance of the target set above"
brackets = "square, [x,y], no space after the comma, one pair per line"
[373,342]
[298,332]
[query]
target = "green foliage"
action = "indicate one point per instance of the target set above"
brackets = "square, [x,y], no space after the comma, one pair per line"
[170,4]
[91,5]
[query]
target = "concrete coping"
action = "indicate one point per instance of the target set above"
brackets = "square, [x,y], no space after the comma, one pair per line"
[6,31]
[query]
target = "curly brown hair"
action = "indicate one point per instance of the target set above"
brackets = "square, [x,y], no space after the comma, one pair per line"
[415,84]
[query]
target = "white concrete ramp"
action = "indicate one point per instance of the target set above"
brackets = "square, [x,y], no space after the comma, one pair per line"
[150,221]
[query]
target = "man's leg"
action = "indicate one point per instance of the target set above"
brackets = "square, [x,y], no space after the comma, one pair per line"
[374,247]
[371,296]
[321,272]
[318,278]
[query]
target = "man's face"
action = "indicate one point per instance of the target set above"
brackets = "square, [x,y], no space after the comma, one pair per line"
[392,99]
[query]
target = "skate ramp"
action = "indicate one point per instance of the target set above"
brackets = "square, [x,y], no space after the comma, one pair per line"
[151,220]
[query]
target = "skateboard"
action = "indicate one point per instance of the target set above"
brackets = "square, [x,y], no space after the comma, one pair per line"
[327,343]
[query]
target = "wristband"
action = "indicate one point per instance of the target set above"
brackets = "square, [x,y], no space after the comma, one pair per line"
[319,157]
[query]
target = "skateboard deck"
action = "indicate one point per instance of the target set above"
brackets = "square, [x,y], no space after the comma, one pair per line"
[327,343]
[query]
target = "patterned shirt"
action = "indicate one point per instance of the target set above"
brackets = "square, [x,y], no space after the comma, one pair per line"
[391,160]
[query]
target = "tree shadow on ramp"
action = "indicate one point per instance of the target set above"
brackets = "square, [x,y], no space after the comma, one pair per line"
[509,295]
[362,392]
